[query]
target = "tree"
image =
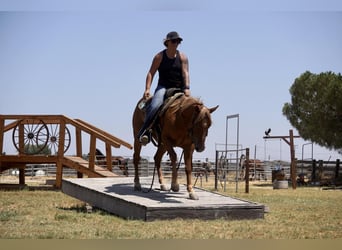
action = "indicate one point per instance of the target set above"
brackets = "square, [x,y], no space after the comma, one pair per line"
[316,108]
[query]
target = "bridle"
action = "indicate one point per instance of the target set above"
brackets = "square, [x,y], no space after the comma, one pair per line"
[196,119]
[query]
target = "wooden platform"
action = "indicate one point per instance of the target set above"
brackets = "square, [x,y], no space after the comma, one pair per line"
[116,195]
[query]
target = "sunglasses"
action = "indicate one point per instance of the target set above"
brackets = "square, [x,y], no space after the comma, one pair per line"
[175,41]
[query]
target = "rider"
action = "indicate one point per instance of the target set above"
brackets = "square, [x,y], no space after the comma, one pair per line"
[173,69]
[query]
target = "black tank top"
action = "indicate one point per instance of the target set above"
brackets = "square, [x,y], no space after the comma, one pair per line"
[170,72]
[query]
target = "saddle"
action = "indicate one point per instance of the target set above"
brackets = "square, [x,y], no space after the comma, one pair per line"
[170,96]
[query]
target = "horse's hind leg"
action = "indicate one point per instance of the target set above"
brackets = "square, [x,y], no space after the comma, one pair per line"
[157,161]
[136,161]
[174,181]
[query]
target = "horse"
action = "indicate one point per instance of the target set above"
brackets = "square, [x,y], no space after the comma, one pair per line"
[184,124]
[116,161]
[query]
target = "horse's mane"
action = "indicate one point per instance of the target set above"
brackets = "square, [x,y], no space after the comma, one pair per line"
[187,102]
[187,105]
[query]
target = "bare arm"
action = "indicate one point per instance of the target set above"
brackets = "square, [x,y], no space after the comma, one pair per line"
[185,73]
[150,74]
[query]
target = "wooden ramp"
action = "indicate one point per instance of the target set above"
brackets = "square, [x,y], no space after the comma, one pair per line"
[116,195]
[82,166]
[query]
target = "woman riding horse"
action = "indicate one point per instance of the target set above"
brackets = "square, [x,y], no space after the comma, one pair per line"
[173,69]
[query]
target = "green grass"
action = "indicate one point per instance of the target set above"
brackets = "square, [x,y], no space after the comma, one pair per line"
[304,213]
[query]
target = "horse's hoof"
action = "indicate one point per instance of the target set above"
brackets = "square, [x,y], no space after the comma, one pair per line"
[137,187]
[193,196]
[163,187]
[175,187]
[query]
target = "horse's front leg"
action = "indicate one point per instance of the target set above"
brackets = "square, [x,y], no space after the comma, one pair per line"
[188,170]
[157,161]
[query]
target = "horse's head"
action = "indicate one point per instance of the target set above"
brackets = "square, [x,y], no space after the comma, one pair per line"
[201,124]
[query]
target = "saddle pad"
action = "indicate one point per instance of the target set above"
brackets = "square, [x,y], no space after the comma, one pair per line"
[169,101]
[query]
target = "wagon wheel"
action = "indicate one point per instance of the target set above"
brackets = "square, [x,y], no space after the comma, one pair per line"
[33,134]
[53,141]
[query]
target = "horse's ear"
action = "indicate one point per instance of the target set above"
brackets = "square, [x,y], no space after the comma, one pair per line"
[211,110]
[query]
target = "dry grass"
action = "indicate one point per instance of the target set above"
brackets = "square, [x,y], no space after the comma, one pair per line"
[304,213]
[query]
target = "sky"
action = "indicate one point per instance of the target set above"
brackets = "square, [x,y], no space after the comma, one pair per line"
[89,60]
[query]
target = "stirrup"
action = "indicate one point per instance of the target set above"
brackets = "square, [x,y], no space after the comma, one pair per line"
[144,140]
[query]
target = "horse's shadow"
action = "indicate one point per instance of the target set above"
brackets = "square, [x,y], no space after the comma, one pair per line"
[155,194]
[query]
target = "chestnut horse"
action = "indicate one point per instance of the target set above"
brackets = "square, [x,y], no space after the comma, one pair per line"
[183,124]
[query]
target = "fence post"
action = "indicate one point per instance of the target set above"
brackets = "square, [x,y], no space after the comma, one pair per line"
[313,174]
[247,172]
[293,168]
[2,125]
[320,170]
[337,169]
[216,169]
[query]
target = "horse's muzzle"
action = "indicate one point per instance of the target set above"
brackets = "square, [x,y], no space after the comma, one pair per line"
[199,149]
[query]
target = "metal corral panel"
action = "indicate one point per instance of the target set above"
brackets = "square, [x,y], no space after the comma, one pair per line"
[116,195]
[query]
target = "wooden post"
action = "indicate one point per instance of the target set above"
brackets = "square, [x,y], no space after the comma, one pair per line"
[109,157]
[293,161]
[22,174]
[313,174]
[21,138]
[79,148]
[320,170]
[60,154]
[337,169]
[293,167]
[2,125]
[21,152]
[92,152]
[216,170]
[78,142]
[247,171]
[61,142]
[59,173]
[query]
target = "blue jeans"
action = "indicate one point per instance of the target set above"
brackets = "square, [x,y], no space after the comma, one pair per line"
[151,110]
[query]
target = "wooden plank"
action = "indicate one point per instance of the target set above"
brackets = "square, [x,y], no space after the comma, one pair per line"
[117,196]
[33,117]
[81,165]
[27,159]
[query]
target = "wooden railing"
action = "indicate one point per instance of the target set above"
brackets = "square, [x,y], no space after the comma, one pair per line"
[34,129]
